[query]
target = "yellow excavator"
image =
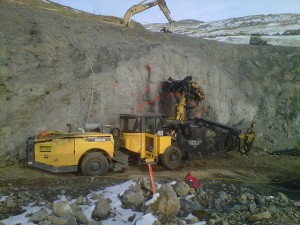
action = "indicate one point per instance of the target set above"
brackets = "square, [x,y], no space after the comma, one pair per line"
[144,6]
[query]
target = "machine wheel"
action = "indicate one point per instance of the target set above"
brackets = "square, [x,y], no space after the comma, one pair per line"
[171,159]
[94,164]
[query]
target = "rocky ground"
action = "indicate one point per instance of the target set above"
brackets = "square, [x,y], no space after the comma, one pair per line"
[235,189]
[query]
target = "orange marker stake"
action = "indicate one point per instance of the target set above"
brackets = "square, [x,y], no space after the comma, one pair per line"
[151,178]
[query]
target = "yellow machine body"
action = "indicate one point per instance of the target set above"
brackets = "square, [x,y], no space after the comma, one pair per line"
[144,144]
[141,134]
[94,153]
[64,151]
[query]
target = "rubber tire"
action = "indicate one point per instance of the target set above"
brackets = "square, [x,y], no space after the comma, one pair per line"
[96,160]
[172,157]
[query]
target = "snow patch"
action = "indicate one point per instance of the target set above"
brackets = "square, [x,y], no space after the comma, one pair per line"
[239,30]
[146,219]
[3,198]
[153,199]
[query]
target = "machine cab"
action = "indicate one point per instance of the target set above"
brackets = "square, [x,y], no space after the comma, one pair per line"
[142,134]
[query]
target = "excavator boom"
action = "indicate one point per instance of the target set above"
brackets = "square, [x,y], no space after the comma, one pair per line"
[142,7]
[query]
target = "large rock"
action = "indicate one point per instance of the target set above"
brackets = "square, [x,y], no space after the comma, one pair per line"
[62,209]
[38,216]
[297,203]
[62,220]
[133,197]
[167,204]
[146,183]
[181,188]
[78,213]
[283,197]
[45,222]
[101,210]
[259,216]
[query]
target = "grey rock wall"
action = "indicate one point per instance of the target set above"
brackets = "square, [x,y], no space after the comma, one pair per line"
[46,78]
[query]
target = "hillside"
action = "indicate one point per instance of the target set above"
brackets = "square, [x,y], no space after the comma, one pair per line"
[53,59]
[280,29]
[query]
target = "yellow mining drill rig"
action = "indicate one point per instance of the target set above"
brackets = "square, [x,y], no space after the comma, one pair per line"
[147,137]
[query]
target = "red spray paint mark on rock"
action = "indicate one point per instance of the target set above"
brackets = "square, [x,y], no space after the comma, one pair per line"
[148,69]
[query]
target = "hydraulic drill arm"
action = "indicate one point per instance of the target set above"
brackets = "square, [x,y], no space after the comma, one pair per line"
[141,7]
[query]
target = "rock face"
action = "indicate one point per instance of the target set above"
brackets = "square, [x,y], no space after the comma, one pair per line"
[52,62]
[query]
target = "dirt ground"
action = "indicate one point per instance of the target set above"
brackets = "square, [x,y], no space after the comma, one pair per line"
[253,169]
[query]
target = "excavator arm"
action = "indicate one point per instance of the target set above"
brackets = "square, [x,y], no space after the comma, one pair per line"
[142,7]
[164,8]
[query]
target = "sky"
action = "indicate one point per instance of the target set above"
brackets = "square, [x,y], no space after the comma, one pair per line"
[203,10]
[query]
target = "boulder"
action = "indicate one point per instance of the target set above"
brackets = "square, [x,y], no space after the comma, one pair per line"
[38,216]
[80,217]
[223,195]
[101,210]
[79,200]
[49,205]
[62,220]
[145,183]
[181,188]
[95,196]
[243,199]
[283,197]
[259,217]
[167,204]
[252,207]
[78,213]
[297,204]
[133,197]
[45,222]
[62,209]
[131,218]
[212,222]
[11,202]
[192,220]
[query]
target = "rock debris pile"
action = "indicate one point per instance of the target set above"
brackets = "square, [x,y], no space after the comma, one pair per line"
[174,203]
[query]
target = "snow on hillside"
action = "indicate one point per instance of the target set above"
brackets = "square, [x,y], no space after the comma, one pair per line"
[281,29]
